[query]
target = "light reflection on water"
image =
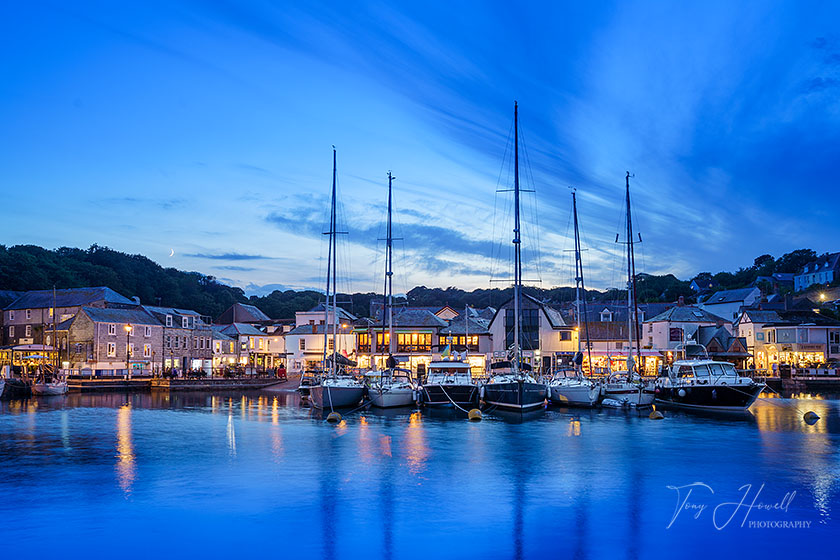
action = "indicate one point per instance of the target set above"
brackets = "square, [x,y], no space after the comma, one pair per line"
[200,474]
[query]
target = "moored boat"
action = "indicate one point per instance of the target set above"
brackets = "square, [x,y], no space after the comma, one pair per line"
[703,384]
[50,388]
[449,383]
[337,391]
[392,389]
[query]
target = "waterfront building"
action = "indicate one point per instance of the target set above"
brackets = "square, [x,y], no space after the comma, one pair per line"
[729,303]
[187,338]
[795,337]
[417,334]
[468,335]
[224,349]
[29,319]
[254,347]
[720,344]
[824,270]
[545,337]
[669,331]
[111,341]
[304,343]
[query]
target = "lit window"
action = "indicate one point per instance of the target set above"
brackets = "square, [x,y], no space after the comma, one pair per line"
[147,350]
[112,349]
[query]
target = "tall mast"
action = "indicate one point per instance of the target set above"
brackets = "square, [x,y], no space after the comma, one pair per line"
[517,273]
[580,288]
[55,334]
[334,240]
[466,330]
[331,233]
[388,292]
[632,307]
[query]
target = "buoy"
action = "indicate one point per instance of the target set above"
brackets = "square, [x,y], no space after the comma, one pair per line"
[333,417]
[474,415]
[681,392]
[811,417]
[656,415]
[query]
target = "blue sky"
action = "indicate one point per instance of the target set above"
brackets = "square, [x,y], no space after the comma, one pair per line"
[205,129]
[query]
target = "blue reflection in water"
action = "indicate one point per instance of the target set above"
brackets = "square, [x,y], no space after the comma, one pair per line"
[186,475]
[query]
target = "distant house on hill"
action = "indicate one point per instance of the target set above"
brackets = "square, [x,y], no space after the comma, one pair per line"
[776,281]
[824,270]
[728,303]
[703,286]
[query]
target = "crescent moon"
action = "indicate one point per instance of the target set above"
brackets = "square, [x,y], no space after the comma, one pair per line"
[172,252]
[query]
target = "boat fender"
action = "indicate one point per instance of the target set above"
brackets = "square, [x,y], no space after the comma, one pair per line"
[656,415]
[333,417]
[811,417]
[474,415]
[656,390]
[681,392]
[547,392]
[481,391]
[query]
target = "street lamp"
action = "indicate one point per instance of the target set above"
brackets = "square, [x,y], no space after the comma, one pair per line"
[128,329]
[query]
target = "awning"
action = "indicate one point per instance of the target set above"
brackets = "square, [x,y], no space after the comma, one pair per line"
[622,353]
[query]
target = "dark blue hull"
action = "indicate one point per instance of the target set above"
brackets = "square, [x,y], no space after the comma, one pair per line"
[465,396]
[515,395]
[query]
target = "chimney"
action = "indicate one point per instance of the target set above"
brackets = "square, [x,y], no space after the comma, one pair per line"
[314,328]
[680,301]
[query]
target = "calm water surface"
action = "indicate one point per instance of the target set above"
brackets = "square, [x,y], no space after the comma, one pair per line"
[186,475]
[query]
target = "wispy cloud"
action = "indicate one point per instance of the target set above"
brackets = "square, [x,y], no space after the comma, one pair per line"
[227,256]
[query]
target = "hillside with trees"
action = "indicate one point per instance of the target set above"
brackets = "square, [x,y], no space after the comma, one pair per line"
[29,267]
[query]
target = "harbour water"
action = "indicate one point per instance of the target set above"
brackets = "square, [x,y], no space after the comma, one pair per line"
[255,474]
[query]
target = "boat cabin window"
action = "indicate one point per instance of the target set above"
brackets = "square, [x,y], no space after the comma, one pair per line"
[685,371]
[701,370]
[720,370]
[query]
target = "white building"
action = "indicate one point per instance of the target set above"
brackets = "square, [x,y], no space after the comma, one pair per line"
[304,344]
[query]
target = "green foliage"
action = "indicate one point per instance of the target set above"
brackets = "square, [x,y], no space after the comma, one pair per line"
[28,267]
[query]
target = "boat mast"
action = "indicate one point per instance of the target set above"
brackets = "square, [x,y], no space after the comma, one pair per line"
[632,306]
[517,273]
[580,289]
[466,330]
[55,339]
[388,294]
[334,239]
[331,233]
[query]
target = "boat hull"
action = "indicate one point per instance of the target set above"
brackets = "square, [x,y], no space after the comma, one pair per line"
[445,395]
[629,394]
[574,395]
[391,398]
[49,389]
[15,389]
[328,397]
[515,395]
[709,397]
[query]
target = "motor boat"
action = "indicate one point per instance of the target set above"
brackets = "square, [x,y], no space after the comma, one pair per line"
[392,388]
[704,384]
[449,383]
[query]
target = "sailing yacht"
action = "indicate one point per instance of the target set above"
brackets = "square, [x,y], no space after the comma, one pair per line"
[511,385]
[569,387]
[449,381]
[334,388]
[392,387]
[628,388]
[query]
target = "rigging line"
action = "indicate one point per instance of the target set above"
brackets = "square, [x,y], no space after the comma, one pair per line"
[494,257]
[535,234]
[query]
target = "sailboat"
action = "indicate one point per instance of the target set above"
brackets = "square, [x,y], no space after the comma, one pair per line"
[334,388]
[511,385]
[628,388]
[392,387]
[570,387]
[49,381]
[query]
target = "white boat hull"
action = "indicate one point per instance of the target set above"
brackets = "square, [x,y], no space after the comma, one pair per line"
[391,398]
[574,395]
[629,394]
[47,389]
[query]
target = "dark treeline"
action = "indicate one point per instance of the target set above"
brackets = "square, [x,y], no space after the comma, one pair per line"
[28,267]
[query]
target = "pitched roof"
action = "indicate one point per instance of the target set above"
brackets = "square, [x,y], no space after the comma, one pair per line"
[342,313]
[729,296]
[761,316]
[242,313]
[475,325]
[236,329]
[134,316]
[71,297]
[8,296]
[555,318]
[686,314]
[171,311]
